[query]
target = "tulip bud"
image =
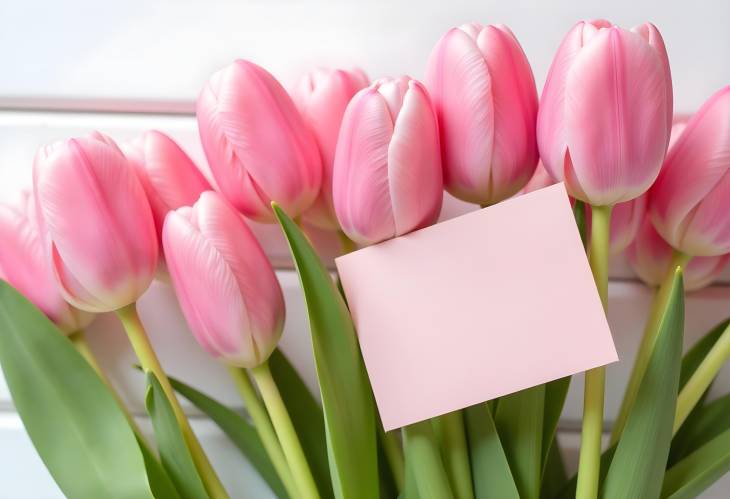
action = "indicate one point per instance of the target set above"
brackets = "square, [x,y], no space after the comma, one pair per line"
[322,97]
[24,264]
[169,177]
[98,223]
[387,177]
[227,289]
[650,256]
[690,201]
[484,95]
[257,144]
[605,112]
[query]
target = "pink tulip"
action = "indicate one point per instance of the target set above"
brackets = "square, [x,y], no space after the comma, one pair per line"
[168,175]
[322,97]
[227,289]
[484,95]
[23,263]
[99,225]
[605,112]
[650,256]
[690,201]
[387,177]
[257,144]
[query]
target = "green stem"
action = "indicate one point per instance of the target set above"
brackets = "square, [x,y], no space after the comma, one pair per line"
[285,431]
[700,381]
[595,379]
[394,455]
[456,454]
[79,341]
[651,331]
[147,357]
[347,244]
[266,432]
[424,461]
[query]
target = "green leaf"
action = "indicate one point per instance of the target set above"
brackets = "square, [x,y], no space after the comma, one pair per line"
[519,421]
[708,421]
[555,393]
[239,430]
[639,463]
[174,453]
[347,403]
[693,474]
[74,422]
[306,414]
[160,483]
[490,469]
[554,474]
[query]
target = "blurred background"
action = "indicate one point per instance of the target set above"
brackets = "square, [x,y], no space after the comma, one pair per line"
[122,67]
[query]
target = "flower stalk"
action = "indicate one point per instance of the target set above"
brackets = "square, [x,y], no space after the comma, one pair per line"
[284,427]
[143,349]
[595,379]
[266,432]
[423,459]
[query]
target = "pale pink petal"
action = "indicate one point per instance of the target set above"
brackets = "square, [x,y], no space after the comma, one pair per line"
[616,116]
[257,144]
[460,87]
[689,201]
[360,180]
[208,292]
[414,166]
[514,98]
[99,221]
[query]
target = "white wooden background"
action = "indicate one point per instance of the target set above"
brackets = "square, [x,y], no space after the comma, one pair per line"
[122,67]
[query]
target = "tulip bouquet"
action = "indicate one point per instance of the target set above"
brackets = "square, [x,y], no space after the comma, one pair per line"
[369,162]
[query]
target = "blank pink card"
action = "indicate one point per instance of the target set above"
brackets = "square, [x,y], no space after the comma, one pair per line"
[476,307]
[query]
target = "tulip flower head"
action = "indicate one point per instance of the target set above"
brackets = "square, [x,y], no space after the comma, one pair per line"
[605,113]
[541,178]
[24,264]
[690,201]
[227,289]
[322,97]
[97,222]
[626,219]
[485,98]
[168,175]
[387,178]
[649,256]
[258,147]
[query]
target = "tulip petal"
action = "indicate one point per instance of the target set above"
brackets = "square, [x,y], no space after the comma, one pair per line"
[360,183]
[514,98]
[414,166]
[695,173]
[652,36]
[551,131]
[259,289]
[99,220]
[248,122]
[208,292]
[615,111]
[461,90]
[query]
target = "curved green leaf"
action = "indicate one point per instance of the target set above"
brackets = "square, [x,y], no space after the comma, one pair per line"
[241,432]
[174,453]
[160,482]
[640,460]
[307,416]
[74,422]
[699,470]
[490,469]
[708,421]
[519,422]
[348,407]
